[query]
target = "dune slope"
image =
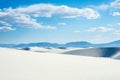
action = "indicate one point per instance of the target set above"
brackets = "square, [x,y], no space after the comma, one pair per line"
[26,65]
[95,52]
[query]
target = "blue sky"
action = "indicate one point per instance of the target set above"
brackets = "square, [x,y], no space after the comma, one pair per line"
[61,21]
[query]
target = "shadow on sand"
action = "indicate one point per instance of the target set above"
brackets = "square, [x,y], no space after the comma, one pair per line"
[95,52]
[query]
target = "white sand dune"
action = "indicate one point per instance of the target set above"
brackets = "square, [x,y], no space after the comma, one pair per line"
[108,52]
[116,56]
[51,50]
[28,65]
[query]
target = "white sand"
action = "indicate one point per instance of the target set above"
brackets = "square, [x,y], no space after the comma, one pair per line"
[27,65]
[52,50]
[116,56]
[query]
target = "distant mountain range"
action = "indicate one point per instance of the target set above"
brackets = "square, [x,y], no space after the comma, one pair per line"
[82,44]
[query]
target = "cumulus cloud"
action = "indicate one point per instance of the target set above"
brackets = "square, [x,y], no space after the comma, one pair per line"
[117,32]
[11,18]
[62,23]
[6,28]
[50,27]
[115,4]
[116,29]
[115,25]
[49,10]
[28,16]
[77,31]
[99,29]
[113,7]
[116,14]
[102,7]
[118,24]
[4,23]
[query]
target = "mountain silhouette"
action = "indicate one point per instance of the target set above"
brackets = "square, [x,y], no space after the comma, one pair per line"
[82,44]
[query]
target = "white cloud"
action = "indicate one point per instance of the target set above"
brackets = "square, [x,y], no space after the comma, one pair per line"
[118,24]
[117,32]
[28,16]
[77,31]
[50,27]
[4,23]
[99,29]
[115,25]
[6,28]
[62,23]
[116,14]
[63,11]
[116,29]
[102,7]
[21,20]
[10,17]
[115,4]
